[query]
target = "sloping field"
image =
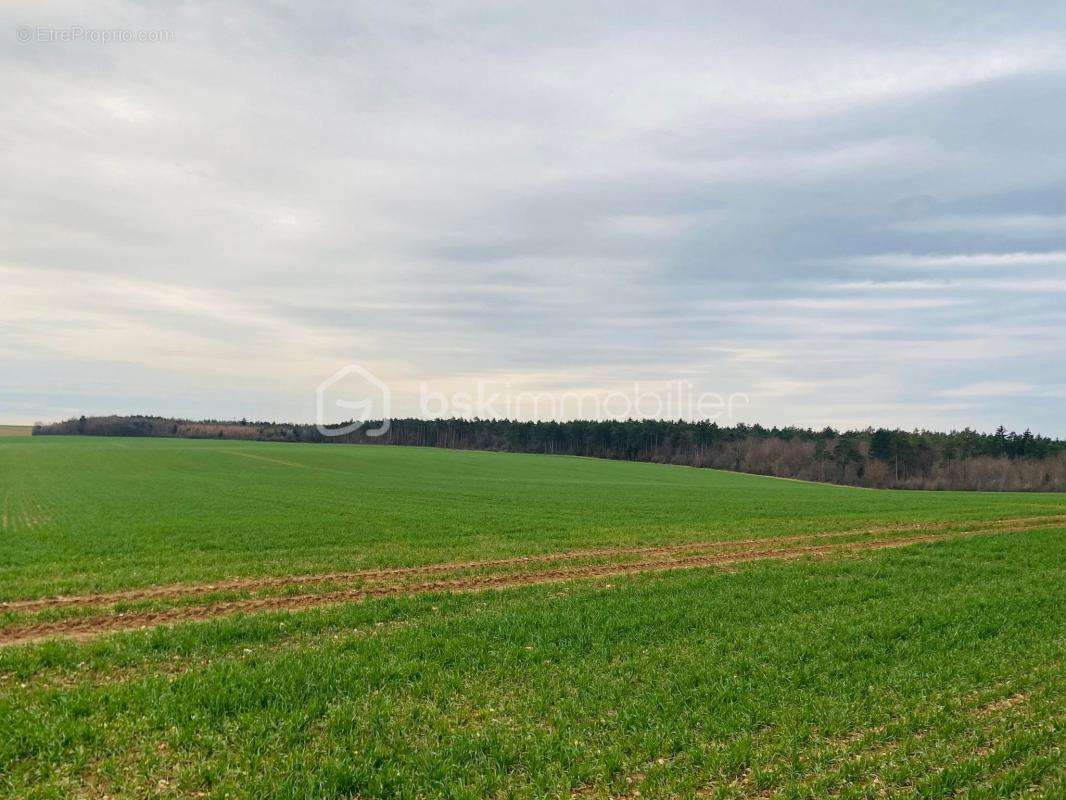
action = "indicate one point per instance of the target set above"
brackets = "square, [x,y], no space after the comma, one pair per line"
[101,514]
[375,622]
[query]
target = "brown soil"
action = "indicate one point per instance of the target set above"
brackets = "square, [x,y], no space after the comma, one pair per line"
[178,591]
[90,626]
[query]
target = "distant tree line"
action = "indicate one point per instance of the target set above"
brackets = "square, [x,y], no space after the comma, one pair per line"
[879,458]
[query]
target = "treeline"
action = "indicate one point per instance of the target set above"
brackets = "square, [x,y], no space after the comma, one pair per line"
[881,458]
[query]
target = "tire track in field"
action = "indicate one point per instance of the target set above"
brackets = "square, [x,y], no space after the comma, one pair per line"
[88,627]
[180,591]
[259,457]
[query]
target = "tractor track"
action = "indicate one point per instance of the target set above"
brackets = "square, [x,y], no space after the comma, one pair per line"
[180,591]
[92,626]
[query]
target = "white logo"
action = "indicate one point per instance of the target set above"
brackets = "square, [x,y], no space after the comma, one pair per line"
[360,394]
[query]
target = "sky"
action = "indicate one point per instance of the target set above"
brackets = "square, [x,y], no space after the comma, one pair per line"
[837,214]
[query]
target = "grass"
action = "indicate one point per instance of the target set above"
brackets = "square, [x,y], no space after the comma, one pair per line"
[80,514]
[16,430]
[932,671]
[917,673]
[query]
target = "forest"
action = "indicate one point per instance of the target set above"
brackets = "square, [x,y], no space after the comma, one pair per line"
[876,458]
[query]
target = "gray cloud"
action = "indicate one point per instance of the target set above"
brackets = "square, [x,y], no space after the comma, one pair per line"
[854,218]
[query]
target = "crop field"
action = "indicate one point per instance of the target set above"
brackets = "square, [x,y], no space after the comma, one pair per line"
[207,618]
[15,430]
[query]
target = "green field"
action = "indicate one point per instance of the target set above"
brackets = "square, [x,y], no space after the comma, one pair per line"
[929,669]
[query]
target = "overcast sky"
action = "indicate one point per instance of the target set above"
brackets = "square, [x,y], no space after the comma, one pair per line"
[852,217]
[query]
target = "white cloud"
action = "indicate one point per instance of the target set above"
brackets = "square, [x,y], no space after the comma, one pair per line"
[985,389]
[861,305]
[548,193]
[1036,285]
[961,260]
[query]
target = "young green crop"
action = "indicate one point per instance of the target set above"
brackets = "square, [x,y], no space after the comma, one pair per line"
[933,671]
[83,514]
